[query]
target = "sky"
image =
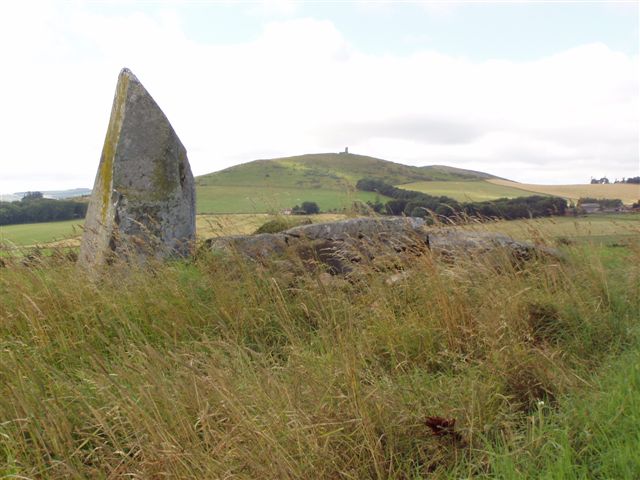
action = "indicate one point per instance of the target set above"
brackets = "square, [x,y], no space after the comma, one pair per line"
[537,92]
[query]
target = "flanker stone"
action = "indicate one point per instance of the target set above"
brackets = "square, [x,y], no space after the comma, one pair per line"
[143,200]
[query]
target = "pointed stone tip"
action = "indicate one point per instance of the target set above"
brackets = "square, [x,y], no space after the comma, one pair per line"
[125,72]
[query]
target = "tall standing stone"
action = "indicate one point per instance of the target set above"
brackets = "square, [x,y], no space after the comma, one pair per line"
[143,200]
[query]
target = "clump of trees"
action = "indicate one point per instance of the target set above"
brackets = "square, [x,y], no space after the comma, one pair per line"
[280,224]
[306,208]
[520,207]
[35,208]
[635,180]
[418,204]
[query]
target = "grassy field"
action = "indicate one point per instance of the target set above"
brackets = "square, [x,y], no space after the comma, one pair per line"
[470,191]
[600,228]
[69,233]
[266,199]
[217,368]
[628,193]
[592,433]
[209,226]
[32,233]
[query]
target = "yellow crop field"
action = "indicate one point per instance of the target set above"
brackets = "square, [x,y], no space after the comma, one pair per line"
[465,191]
[208,226]
[627,192]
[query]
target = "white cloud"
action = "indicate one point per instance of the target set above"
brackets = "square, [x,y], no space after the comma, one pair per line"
[302,87]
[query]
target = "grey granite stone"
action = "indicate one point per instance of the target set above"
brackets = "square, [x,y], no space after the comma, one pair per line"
[143,200]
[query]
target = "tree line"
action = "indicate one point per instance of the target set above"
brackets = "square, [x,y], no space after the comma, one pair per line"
[605,180]
[418,204]
[603,202]
[34,208]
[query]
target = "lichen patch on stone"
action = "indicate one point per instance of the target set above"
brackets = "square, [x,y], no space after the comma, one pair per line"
[105,172]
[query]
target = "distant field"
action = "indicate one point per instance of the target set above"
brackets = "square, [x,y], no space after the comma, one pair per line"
[595,227]
[599,228]
[251,199]
[628,193]
[603,227]
[33,233]
[208,226]
[475,191]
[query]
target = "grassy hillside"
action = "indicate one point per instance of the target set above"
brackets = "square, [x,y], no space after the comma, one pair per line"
[453,173]
[628,193]
[228,370]
[332,171]
[328,179]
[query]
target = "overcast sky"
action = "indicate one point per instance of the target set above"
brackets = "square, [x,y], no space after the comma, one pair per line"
[541,92]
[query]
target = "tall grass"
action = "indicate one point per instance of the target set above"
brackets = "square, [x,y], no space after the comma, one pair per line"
[221,368]
[592,433]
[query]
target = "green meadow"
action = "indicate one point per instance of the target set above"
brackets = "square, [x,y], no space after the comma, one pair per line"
[34,233]
[273,199]
[596,228]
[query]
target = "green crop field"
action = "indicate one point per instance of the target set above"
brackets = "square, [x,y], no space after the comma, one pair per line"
[36,233]
[466,191]
[265,199]
[600,228]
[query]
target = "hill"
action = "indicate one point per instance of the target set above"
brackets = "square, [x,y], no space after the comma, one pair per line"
[326,178]
[332,171]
